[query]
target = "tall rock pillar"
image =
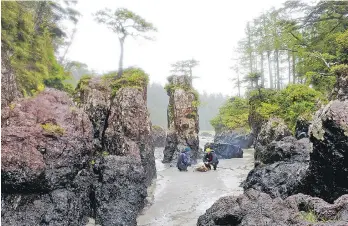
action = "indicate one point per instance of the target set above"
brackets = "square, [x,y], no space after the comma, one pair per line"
[182,114]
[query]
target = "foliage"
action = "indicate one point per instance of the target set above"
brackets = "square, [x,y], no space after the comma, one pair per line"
[53,129]
[184,67]
[304,38]
[131,77]
[30,37]
[232,115]
[291,103]
[124,23]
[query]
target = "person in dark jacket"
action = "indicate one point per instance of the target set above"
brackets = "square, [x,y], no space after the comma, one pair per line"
[210,159]
[183,160]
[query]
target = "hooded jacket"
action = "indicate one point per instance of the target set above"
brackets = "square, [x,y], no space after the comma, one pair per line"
[183,160]
[211,158]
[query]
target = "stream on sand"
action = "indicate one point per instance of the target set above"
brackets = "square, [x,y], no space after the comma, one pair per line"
[179,198]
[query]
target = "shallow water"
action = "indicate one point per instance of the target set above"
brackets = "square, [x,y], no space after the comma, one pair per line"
[179,198]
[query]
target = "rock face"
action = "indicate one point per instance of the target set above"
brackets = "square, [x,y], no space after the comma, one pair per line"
[225,151]
[183,123]
[241,139]
[121,123]
[46,143]
[255,208]
[287,149]
[61,165]
[158,136]
[283,167]
[328,170]
[273,130]
[120,194]
[123,134]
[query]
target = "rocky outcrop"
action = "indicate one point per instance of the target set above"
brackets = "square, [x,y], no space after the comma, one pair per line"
[256,208]
[283,167]
[273,130]
[46,145]
[9,88]
[287,149]
[239,138]
[328,169]
[158,136]
[183,123]
[225,151]
[61,165]
[121,192]
[121,123]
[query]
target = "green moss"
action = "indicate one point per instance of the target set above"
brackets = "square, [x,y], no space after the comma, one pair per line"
[105,153]
[92,162]
[309,217]
[53,129]
[12,106]
[156,127]
[131,77]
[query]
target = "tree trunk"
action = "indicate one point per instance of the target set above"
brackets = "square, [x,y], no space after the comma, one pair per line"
[276,52]
[293,68]
[270,69]
[120,63]
[262,72]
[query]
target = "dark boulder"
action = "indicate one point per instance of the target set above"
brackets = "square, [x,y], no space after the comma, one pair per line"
[283,166]
[287,149]
[158,136]
[279,179]
[255,208]
[239,138]
[328,169]
[225,151]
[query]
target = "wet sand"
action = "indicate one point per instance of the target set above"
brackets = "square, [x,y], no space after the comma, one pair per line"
[179,198]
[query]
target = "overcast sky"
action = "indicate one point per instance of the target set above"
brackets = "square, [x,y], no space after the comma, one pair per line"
[206,30]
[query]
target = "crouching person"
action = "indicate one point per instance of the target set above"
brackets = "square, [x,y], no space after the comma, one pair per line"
[210,159]
[184,160]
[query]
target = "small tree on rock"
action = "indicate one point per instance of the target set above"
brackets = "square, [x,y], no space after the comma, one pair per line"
[125,23]
[184,67]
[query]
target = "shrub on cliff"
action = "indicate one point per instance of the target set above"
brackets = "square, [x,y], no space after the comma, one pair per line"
[232,115]
[131,77]
[291,103]
[295,101]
